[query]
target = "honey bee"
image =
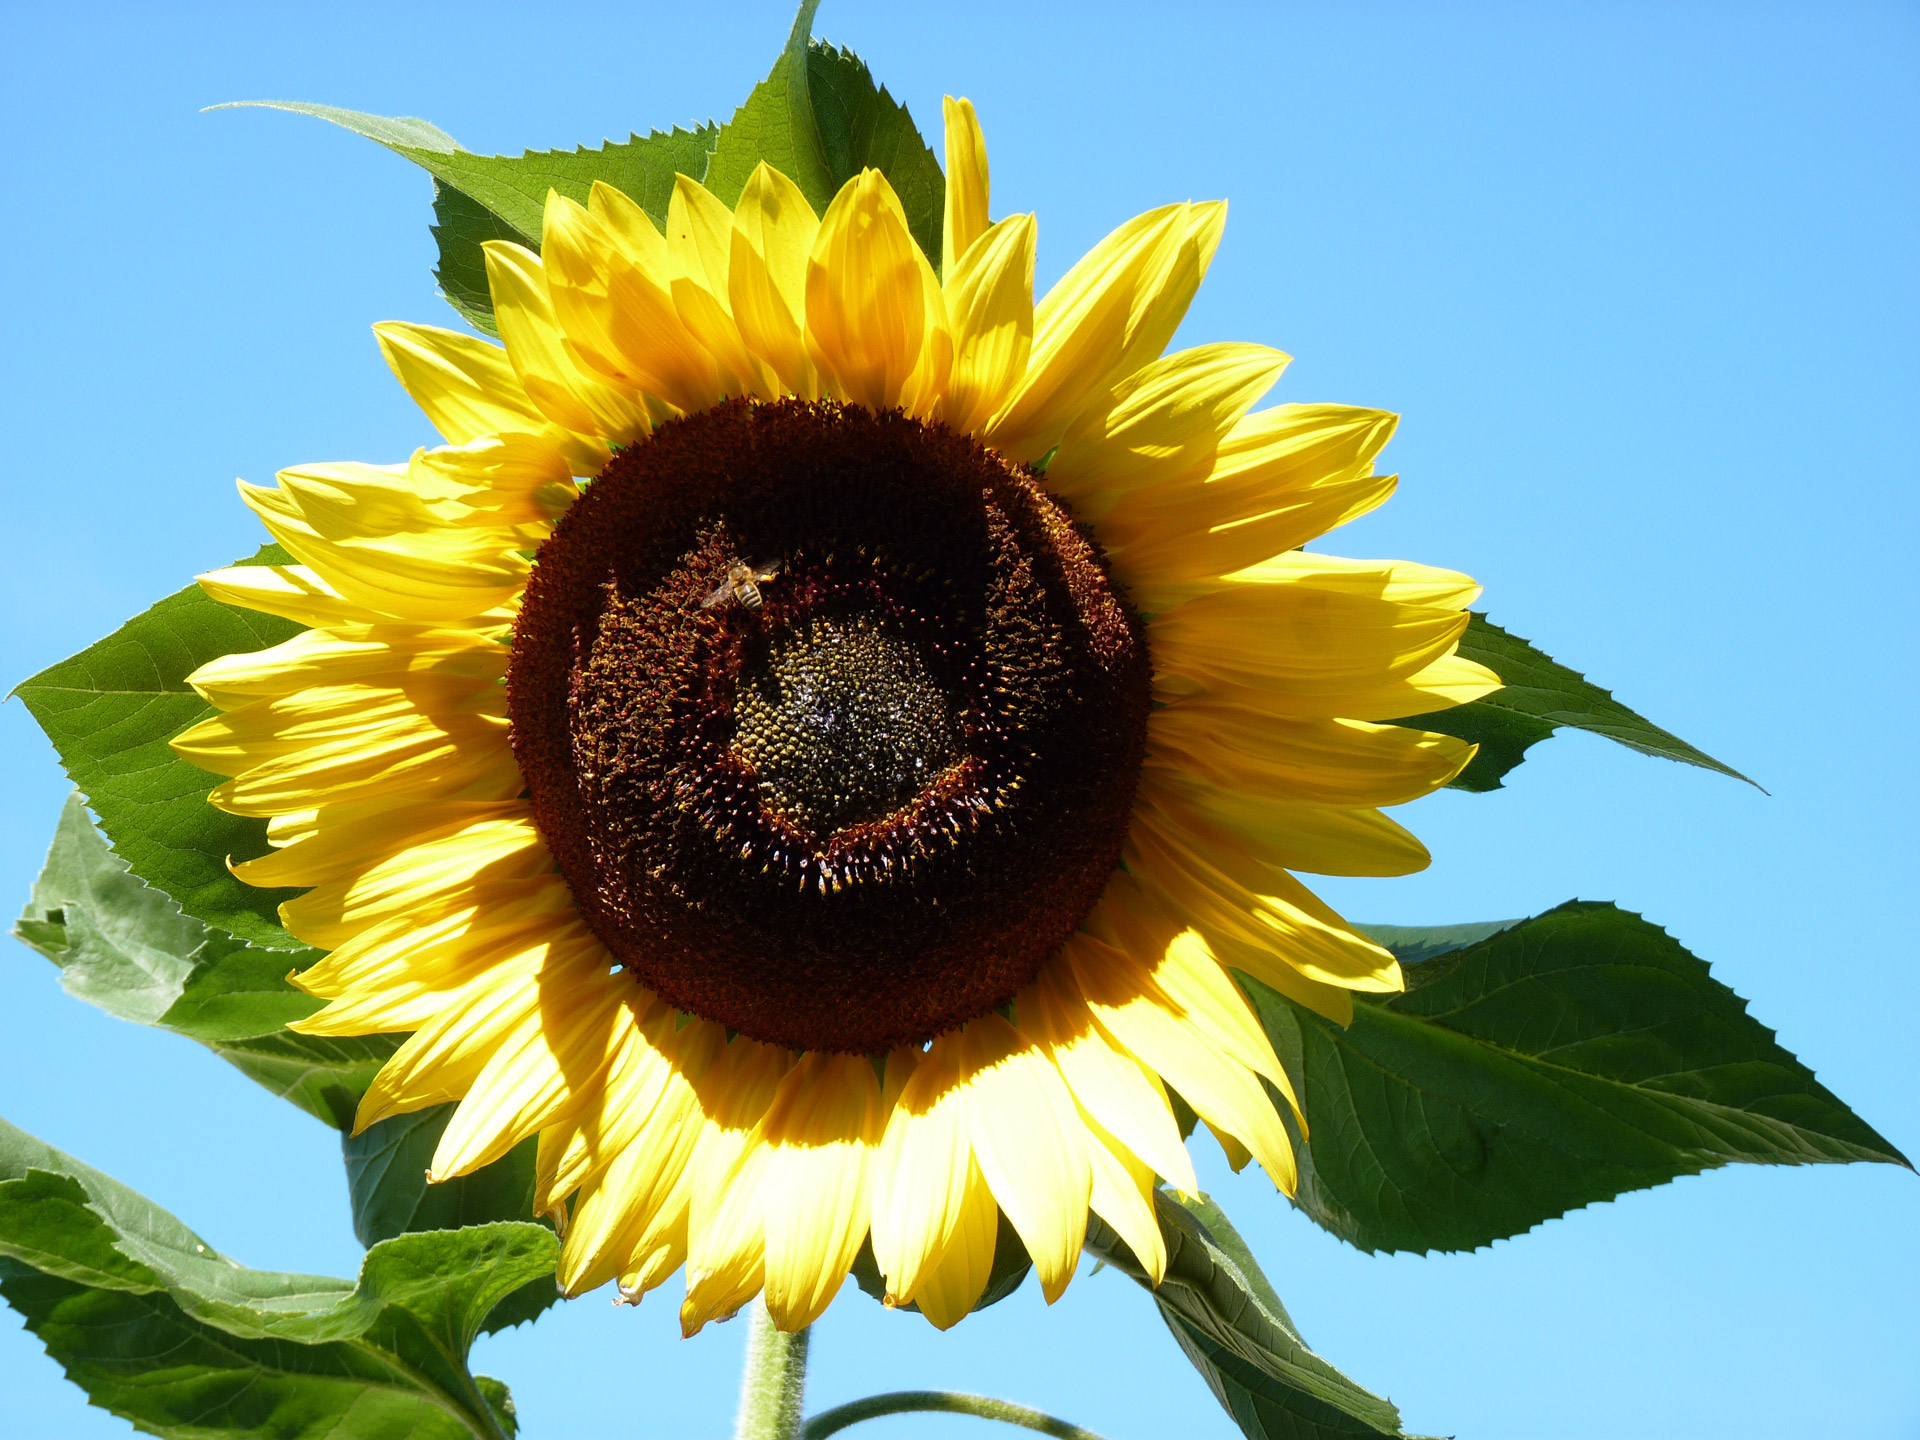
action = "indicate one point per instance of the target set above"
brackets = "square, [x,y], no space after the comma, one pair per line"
[743,583]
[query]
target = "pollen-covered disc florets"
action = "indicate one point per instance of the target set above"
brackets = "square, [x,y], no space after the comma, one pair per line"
[832,720]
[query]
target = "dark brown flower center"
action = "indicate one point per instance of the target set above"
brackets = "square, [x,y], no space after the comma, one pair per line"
[831,719]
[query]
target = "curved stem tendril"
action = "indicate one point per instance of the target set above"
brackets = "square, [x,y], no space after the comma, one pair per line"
[831,1422]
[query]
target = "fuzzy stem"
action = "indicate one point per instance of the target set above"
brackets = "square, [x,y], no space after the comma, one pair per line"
[775,1381]
[829,1422]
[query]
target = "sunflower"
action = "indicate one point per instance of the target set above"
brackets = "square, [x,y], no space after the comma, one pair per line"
[817,741]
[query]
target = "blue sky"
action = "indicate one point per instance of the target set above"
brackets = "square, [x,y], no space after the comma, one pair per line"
[1642,281]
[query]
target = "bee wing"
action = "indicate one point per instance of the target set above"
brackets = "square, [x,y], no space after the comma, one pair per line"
[767,571]
[719,595]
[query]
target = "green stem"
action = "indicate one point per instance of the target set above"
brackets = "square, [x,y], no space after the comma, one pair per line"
[775,1380]
[829,1422]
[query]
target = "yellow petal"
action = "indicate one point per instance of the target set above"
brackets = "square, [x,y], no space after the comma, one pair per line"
[1177,966]
[537,348]
[1112,313]
[966,218]
[277,726]
[619,316]
[442,1059]
[1447,681]
[1289,834]
[1246,899]
[630,227]
[293,592]
[866,300]
[1123,1197]
[953,1284]
[926,387]
[345,500]
[385,971]
[447,575]
[633,1218]
[466,386]
[818,1137]
[773,234]
[1128,1101]
[1139,1016]
[699,235]
[1032,1148]
[989,301]
[1400,581]
[426,877]
[542,1072]
[651,1267]
[699,246]
[651,1054]
[1301,638]
[633,1211]
[1326,762]
[1165,418]
[1279,478]
[468,389]
[508,481]
[349,743]
[726,1239]
[920,1173]
[359,653]
[1168,564]
[353,845]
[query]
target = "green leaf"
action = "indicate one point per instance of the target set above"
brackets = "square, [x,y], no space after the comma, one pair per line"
[119,945]
[110,711]
[387,1180]
[1227,1319]
[777,125]
[820,119]
[503,197]
[1412,944]
[162,1330]
[324,1076]
[128,949]
[401,133]
[1550,1064]
[238,991]
[1541,695]
[862,126]
[514,187]
[461,226]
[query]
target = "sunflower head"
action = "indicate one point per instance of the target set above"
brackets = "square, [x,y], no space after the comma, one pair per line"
[825,741]
[858,806]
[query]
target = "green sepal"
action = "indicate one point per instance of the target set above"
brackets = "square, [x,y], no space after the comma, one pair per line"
[110,711]
[1540,696]
[1534,1067]
[1228,1320]
[159,1328]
